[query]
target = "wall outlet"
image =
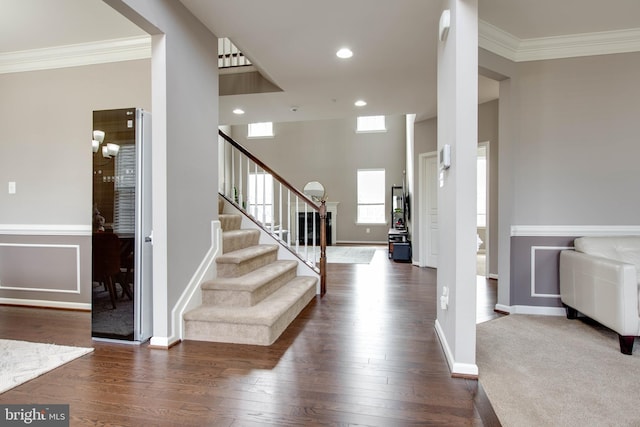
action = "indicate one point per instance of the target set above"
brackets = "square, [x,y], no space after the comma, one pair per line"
[444,299]
[367,230]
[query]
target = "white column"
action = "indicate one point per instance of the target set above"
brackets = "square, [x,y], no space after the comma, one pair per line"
[457,127]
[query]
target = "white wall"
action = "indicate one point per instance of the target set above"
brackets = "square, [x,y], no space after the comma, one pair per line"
[185,154]
[457,126]
[45,136]
[568,148]
[330,151]
[45,139]
[577,140]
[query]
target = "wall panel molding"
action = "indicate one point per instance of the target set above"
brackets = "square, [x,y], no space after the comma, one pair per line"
[534,251]
[574,230]
[15,273]
[45,229]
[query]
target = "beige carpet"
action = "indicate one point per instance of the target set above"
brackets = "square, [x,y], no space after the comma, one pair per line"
[551,371]
[21,361]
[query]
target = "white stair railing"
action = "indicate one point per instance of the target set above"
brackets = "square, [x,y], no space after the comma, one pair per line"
[289,216]
[229,56]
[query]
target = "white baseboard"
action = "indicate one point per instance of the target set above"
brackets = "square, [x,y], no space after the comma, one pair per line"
[456,368]
[502,308]
[192,296]
[360,243]
[163,342]
[47,304]
[531,309]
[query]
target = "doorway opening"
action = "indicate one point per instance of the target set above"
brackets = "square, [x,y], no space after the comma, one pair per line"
[482,212]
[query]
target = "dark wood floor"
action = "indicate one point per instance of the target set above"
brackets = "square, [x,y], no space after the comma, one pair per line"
[365,354]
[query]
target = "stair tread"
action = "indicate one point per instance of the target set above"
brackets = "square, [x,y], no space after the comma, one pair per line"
[240,255]
[252,280]
[266,312]
[240,231]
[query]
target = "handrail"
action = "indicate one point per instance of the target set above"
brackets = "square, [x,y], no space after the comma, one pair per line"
[299,197]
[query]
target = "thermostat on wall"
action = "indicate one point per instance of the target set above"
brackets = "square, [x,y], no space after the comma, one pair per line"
[445,156]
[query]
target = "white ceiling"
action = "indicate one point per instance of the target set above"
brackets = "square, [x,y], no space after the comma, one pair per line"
[293,43]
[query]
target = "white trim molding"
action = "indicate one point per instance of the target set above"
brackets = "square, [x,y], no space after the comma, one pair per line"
[534,249]
[75,55]
[515,49]
[46,304]
[192,295]
[50,246]
[531,309]
[45,229]
[467,370]
[574,230]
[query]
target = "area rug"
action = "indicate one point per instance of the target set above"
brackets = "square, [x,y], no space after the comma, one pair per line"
[21,361]
[552,371]
[342,254]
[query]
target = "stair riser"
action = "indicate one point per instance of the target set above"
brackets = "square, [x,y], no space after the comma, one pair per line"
[243,333]
[231,298]
[233,242]
[236,270]
[230,222]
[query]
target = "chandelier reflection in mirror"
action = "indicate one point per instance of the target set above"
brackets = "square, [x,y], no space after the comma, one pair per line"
[109,150]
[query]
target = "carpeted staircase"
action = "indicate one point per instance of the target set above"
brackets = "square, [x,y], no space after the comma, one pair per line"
[255,296]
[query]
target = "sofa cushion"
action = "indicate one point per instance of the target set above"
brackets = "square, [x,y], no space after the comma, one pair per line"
[620,248]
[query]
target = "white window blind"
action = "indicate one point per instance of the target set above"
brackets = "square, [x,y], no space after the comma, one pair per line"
[125,190]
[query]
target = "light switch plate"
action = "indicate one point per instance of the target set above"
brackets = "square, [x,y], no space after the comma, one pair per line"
[12,187]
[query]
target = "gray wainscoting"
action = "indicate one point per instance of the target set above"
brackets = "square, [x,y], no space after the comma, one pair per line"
[535,269]
[535,263]
[46,270]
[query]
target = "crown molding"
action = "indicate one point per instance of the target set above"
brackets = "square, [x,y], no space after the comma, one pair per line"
[510,47]
[497,40]
[76,55]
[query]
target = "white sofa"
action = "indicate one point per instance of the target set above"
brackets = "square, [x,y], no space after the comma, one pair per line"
[601,279]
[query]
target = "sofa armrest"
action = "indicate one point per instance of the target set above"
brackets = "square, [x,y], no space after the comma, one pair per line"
[603,289]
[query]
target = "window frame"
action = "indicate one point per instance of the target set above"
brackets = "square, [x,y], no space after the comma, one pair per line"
[252,129]
[363,124]
[382,203]
[257,207]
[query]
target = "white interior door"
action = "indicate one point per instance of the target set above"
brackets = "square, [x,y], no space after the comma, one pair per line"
[429,210]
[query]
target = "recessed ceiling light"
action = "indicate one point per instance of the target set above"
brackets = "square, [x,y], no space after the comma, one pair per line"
[344,53]
[360,103]
[238,111]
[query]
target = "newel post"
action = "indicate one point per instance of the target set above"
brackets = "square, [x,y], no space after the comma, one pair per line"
[323,248]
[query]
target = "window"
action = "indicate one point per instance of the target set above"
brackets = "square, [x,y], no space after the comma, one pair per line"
[124,213]
[371,124]
[260,130]
[260,199]
[371,196]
